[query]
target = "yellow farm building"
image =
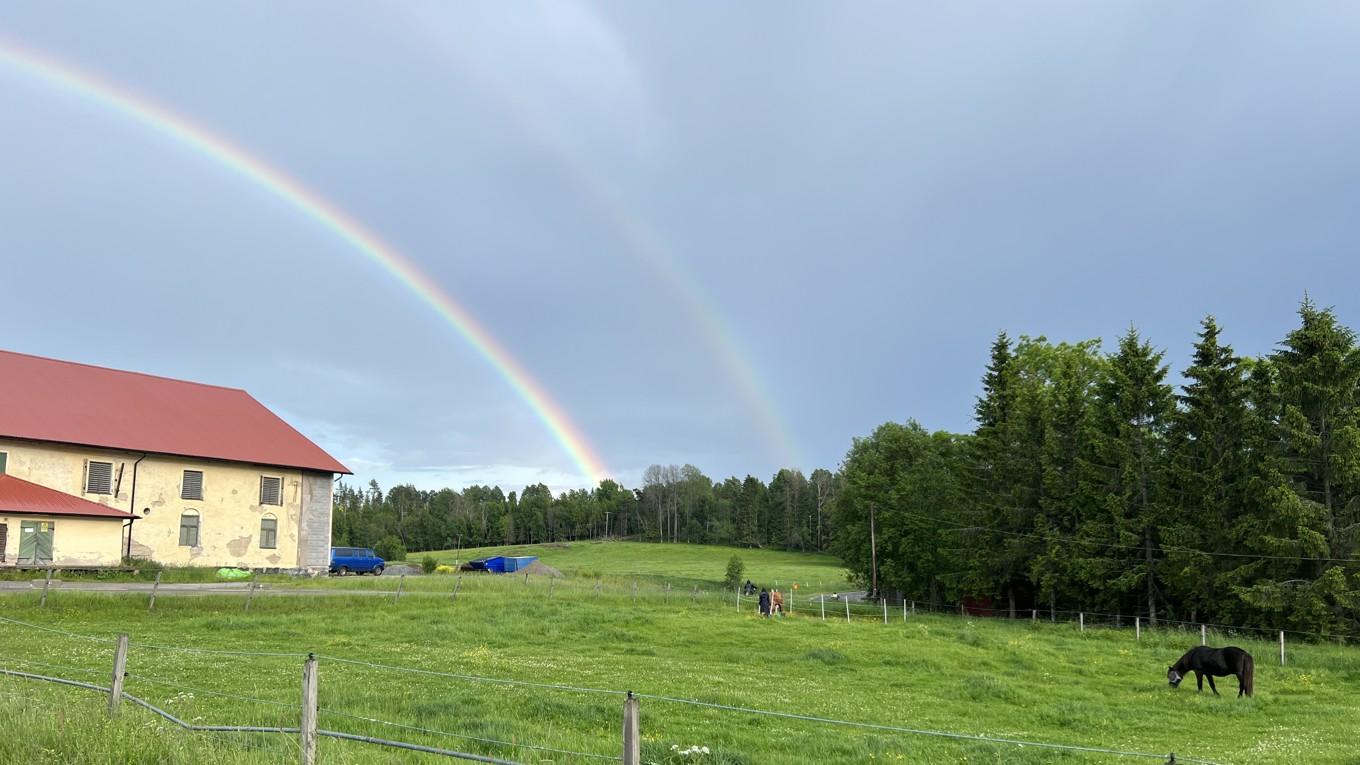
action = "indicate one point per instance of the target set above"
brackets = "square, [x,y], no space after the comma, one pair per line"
[98,465]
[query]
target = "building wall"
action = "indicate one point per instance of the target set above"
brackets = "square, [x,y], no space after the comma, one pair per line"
[230,512]
[75,541]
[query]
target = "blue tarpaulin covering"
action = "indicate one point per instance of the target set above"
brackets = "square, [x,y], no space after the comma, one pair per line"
[504,564]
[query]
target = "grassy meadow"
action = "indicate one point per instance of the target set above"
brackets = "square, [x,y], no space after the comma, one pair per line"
[1037,682]
[680,564]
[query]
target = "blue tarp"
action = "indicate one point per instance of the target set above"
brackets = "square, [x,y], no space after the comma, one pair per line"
[504,564]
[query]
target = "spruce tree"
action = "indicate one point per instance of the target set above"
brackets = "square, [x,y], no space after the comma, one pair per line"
[1133,413]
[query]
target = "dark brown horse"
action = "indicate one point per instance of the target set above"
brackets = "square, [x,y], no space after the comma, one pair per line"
[1214,662]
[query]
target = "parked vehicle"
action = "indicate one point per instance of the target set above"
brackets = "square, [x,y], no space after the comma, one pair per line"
[358,560]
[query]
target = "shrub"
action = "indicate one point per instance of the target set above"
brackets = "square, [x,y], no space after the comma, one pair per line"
[428,564]
[444,568]
[390,548]
[735,569]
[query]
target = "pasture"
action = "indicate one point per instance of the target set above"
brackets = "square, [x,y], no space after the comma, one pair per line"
[1017,680]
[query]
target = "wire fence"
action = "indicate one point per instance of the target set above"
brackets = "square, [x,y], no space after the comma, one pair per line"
[282,713]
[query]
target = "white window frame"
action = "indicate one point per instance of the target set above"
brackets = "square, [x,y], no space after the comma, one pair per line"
[189,512]
[275,519]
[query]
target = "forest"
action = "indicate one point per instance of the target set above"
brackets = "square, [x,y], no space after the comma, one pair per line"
[1090,482]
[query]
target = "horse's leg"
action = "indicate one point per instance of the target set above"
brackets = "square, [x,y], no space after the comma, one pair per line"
[1199,681]
[1212,687]
[1240,686]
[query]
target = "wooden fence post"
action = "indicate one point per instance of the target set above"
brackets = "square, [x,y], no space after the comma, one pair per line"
[738,600]
[1033,615]
[119,671]
[46,583]
[668,593]
[552,585]
[401,582]
[634,590]
[251,594]
[1281,648]
[151,604]
[913,607]
[458,583]
[1203,635]
[962,611]
[694,595]
[307,722]
[632,742]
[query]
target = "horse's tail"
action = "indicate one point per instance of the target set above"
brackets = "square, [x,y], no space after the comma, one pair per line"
[1248,673]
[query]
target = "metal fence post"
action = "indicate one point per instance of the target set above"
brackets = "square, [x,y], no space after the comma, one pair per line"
[1281,648]
[457,584]
[904,610]
[46,583]
[1081,620]
[151,604]
[401,582]
[634,589]
[668,593]
[1033,615]
[251,594]
[632,742]
[885,610]
[823,599]
[119,671]
[847,609]
[1203,635]
[1138,628]
[307,722]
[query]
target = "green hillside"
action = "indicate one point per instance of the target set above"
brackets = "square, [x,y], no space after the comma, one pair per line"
[701,565]
[1034,682]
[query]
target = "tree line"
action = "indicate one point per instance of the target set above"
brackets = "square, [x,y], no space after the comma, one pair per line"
[674,504]
[1091,483]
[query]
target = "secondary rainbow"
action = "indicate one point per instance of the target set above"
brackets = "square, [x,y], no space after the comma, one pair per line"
[644,244]
[180,129]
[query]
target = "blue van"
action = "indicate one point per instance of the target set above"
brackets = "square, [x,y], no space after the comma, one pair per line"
[359,560]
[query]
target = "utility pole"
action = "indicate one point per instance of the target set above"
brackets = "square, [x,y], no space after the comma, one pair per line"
[873,553]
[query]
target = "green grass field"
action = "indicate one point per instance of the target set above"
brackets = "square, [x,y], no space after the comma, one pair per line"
[683,565]
[1037,682]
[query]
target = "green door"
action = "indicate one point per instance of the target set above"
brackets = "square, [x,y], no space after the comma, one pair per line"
[35,542]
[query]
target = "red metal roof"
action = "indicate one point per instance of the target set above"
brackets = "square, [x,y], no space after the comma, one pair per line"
[20,496]
[50,400]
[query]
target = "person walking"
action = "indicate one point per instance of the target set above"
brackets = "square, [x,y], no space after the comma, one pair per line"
[764,603]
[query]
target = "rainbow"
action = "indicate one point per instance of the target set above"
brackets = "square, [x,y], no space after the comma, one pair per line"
[218,150]
[648,248]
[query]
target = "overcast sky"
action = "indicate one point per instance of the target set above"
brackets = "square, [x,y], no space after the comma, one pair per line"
[731,234]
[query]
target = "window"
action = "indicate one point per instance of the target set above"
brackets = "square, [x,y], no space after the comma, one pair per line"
[98,477]
[271,490]
[188,529]
[269,532]
[192,485]
[4,538]
[4,459]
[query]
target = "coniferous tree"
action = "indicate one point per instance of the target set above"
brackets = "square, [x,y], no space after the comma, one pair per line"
[1134,406]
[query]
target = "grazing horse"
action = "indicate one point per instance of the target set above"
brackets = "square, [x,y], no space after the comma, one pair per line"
[1211,663]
